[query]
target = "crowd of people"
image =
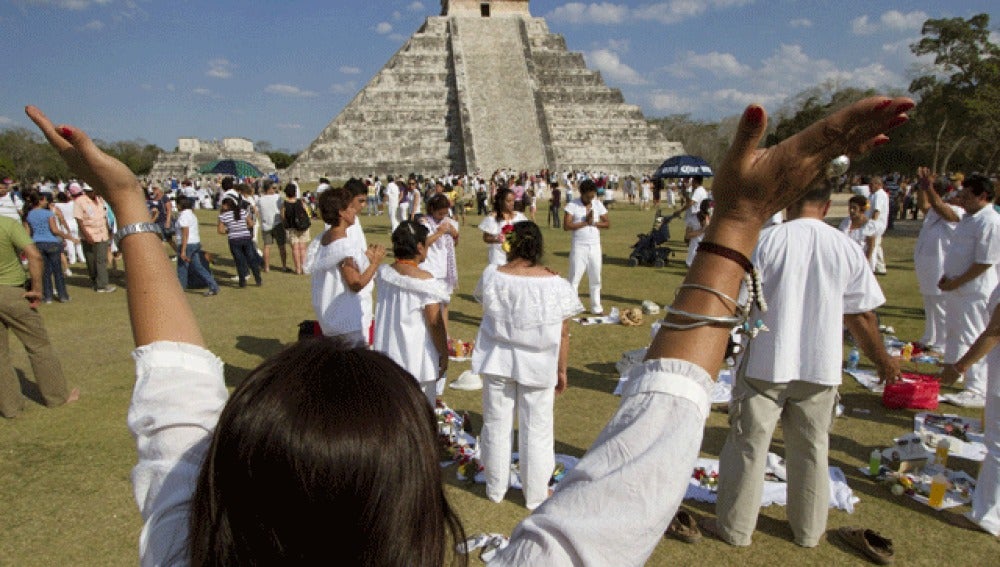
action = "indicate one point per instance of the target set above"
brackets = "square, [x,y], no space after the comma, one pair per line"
[257,476]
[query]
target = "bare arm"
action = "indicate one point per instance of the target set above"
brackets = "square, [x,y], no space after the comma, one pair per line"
[433,316]
[864,329]
[35,271]
[562,381]
[870,248]
[157,307]
[974,271]
[355,279]
[927,197]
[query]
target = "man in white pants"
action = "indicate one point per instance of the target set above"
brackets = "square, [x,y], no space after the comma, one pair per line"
[878,212]
[392,203]
[585,215]
[933,243]
[815,280]
[969,278]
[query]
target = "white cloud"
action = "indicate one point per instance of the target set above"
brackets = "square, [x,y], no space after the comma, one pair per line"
[93,25]
[580,13]
[68,4]
[202,91]
[347,87]
[415,7]
[396,15]
[220,68]
[5,120]
[397,37]
[618,45]
[349,70]
[146,86]
[719,64]
[383,28]
[171,87]
[738,98]
[801,23]
[670,102]
[675,11]
[287,126]
[288,90]
[893,21]
[612,67]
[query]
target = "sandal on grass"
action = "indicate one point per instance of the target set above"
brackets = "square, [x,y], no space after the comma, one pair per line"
[868,542]
[684,527]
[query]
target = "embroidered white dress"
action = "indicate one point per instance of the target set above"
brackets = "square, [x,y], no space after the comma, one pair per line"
[338,309]
[441,260]
[490,225]
[400,328]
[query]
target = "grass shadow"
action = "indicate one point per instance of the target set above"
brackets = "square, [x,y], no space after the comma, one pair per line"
[455,316]
[258,346]
[901,312]
[234,375]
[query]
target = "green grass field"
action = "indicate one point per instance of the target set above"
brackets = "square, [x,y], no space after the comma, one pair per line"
[66,497]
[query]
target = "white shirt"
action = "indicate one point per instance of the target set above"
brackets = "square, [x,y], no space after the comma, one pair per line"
[338,309]
[490,225]
[11,205]
[976,240]
[578,212]
[933,242]
[400,327]
[861,234]
[879,202]
[698,194]
[812,275]
[392,193]
[437,260]
[270,211]
[521,329]
[863,190]
[188,220]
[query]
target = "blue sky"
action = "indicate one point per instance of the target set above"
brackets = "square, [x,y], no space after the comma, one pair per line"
[282,70]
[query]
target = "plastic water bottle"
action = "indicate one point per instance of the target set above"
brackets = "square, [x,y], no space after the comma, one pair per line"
[875,462]
[853,358]
[939,484]
[941,453]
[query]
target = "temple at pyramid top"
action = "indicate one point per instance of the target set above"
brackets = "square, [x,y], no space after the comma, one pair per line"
[481,87]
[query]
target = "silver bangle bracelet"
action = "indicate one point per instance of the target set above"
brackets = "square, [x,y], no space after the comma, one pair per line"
[136,228]
[730,321]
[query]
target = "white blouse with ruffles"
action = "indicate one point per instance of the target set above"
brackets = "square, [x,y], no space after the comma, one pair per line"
[522,325]
[400,328]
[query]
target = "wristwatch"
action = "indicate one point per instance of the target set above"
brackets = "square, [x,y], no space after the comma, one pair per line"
[136,228]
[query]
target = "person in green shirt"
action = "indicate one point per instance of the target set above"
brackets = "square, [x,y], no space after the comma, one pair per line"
[18,313]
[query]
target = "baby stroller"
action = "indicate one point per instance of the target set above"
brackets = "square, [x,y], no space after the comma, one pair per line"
[649,249]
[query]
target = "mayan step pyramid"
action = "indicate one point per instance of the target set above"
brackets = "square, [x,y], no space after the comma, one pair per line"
[485,86]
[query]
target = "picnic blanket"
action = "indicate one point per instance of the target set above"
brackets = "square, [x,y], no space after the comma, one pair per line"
[931,427]
[775,491]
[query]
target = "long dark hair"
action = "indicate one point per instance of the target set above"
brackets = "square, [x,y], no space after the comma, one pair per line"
[498,202]
[323,453]
[526,243]
[331,202]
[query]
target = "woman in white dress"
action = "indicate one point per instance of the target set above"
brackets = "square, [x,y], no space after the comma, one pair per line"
[442,238]
[340,269]
[859,228]
[521,352]
[493,225]
[409,319]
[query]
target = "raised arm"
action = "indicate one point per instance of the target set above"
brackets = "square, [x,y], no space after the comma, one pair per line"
[157,307]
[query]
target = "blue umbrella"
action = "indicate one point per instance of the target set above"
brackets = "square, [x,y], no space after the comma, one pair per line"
[683,166]
[234,167]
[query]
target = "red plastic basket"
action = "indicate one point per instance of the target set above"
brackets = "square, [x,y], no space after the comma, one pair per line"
[914,391]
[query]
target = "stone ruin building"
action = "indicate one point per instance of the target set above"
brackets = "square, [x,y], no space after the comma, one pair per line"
[485,86]
[193,153]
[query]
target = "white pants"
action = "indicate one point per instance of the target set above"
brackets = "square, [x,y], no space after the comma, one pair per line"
[74,250]
[935,323]
[966,319]
[535,440]
[986,498]
[587,257]
[392,206]
[878,256]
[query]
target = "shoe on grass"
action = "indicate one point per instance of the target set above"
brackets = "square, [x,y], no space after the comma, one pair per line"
[869,542]
[684,527]
[967,399]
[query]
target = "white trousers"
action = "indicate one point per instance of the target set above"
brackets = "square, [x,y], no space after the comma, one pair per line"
[986,498]
[392,207]
[535,440]
[966,320]
[935,323]
[587,258]
[878,257]
[74,250]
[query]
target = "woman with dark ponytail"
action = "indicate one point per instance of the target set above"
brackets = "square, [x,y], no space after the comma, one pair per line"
[493,225]
[409,318]
[521,352]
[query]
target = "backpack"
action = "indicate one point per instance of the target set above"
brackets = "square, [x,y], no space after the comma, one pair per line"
[299,217]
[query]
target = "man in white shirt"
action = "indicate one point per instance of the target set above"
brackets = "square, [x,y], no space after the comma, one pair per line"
[933,243]
[584,217]
[10,204]
[272,227]
[815,281]
[392,204]
[878,212]
[698,194]
[970,276]
[324,184]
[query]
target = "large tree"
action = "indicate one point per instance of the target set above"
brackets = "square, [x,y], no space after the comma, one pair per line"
[960,96]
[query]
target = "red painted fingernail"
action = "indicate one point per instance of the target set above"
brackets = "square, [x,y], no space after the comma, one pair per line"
[66,132]
[755,115]
[897,121]
[880,141]
[883,104]
[904,107]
